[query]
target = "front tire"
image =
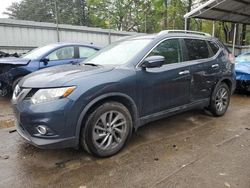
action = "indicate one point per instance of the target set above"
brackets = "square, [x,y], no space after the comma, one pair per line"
[107,129]
[220,100]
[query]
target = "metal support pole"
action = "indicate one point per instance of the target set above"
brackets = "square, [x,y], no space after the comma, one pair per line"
[213,33]
[109,28]
[185,24]
[57,28]
[234,39]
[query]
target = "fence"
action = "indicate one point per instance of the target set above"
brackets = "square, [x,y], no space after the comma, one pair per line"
[20,36]
[238,49]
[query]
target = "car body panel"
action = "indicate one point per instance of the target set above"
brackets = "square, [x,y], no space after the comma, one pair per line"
[14,61]
[15,68]
[150,93]
[242,69]
[206,73]
[58,76]
[165,87]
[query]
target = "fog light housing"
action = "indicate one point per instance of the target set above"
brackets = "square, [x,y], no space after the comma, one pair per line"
[42,130]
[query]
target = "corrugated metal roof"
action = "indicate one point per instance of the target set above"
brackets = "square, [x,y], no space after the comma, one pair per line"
[237,11]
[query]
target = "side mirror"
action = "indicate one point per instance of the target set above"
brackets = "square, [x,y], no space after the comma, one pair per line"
[45,61]
[153,61]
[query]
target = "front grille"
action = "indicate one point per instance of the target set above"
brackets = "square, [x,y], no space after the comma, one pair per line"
[30,94]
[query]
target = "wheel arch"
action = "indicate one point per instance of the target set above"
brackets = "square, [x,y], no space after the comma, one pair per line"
[127,101]
[229,82]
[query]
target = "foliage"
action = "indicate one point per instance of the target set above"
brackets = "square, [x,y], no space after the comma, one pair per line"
[148,16]
[69,11]
[129,15]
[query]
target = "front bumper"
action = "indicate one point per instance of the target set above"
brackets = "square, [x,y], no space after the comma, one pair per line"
[45,143]
[54,115]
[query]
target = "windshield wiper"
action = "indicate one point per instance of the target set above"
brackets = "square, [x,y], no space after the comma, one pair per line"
[92,64]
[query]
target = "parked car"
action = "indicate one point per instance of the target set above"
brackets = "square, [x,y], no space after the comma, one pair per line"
[242,68]
[13,69]
[97,104]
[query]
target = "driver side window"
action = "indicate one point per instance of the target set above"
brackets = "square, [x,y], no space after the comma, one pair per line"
[170,49]
[62,53]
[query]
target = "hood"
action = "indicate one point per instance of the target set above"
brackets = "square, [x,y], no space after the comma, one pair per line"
[59,75]
[14,61]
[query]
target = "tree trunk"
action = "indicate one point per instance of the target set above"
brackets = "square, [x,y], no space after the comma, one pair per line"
[165,15]
[225,29]
[243,37]
[83,18]
[190,2]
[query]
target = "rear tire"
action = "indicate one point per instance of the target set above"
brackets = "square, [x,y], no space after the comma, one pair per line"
[107,129]
[220,100]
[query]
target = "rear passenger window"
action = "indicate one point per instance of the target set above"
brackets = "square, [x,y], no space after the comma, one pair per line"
[170,49]
[197,49]
[214,47]
[85,52]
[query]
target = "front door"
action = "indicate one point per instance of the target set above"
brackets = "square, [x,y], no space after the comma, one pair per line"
[168,86]
[61,56]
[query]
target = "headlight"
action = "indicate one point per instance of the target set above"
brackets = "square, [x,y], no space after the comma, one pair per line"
[46,95]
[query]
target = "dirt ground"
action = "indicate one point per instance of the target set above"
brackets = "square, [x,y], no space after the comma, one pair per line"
[6,115]
[189,150]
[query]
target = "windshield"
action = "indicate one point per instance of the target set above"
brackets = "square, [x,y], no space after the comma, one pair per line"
[243,58]
[36,53]
[118,53]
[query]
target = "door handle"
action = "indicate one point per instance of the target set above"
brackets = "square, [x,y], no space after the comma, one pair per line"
[215,65]
[184,72]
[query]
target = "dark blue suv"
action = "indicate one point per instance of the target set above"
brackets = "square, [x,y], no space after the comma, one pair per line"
[98,103]
[12,70]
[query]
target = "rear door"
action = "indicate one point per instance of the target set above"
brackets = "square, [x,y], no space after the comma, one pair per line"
[204,67]
[168,86]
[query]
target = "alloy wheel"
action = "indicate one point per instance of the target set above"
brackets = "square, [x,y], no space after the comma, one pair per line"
[221,99]
[109,130]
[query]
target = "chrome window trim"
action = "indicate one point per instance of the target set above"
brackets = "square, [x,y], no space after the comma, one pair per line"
[138,65]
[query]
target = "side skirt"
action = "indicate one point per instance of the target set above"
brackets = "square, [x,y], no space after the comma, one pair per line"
[166,113]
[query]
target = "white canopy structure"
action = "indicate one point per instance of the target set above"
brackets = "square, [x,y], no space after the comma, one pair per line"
[235,11]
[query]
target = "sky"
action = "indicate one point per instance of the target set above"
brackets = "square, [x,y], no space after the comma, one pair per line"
[3,5]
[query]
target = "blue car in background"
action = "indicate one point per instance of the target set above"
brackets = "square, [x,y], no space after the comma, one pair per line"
[13,69]
[242,69]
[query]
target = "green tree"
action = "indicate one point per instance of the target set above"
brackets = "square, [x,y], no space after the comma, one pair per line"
[127,15]
[35,10]
[69,11]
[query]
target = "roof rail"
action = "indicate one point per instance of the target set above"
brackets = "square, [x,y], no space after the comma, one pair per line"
[184,31]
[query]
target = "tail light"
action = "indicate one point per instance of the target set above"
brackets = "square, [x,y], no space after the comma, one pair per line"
[231,58]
